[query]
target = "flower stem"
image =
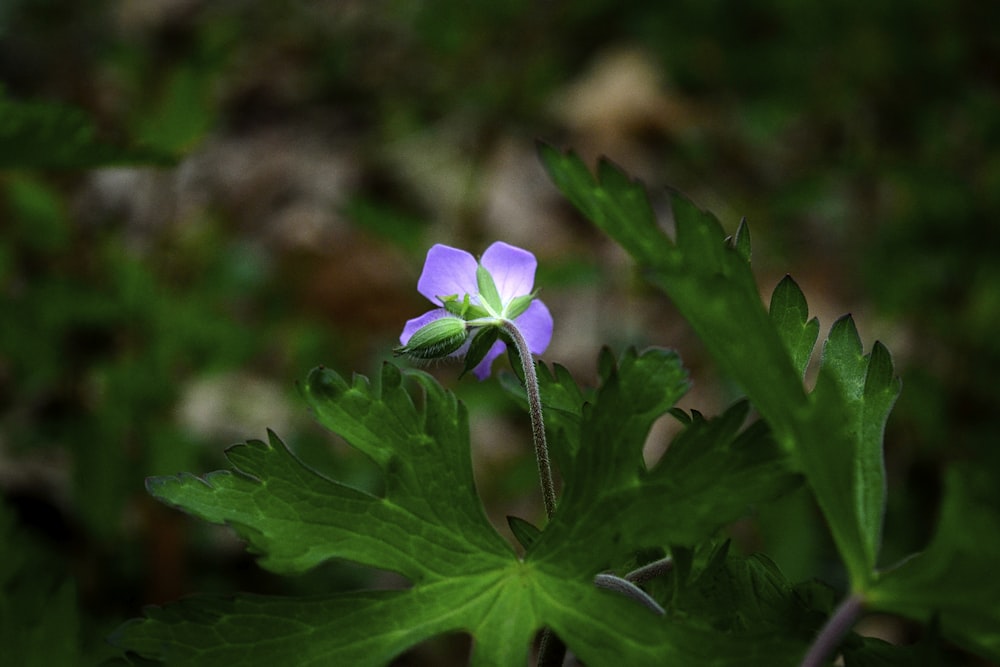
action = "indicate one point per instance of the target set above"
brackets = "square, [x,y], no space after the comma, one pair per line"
[650,570]
[551,651]
[838,625]
[535,412]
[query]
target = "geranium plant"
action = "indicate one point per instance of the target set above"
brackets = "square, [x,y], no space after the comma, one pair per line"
[629,567]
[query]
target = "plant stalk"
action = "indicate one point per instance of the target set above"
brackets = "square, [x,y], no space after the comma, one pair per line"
[551,651]
[650,570]
[838,625]
[535,412]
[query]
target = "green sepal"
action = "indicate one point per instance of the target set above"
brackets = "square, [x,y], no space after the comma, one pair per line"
[435,339]
[488,291]
[454,306]
[464,309]
[519,304]
[474,312]
[524,532]
[482,341]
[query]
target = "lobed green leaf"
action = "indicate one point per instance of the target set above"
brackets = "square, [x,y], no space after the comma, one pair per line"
[834,435]
[562,405]
[620,203]
[611,503]
[501,610]
[748,594]
[428,520]
[430,527]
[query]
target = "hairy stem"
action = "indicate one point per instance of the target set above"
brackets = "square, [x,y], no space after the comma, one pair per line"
[838,625]
[617,584]
[535,411]
[650,570]
[551,650]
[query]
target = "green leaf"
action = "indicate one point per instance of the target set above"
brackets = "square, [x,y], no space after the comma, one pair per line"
[714,454]
[741,241]
[617,202]
[872,652]
[562,406]
[270,496]
[39,620]
[706,456]
[954,580]
[833,435]
[747,594]
[525,532]
[54,136]
[372,627]
[790,315]
[430,527]
[851,403]
[608,495]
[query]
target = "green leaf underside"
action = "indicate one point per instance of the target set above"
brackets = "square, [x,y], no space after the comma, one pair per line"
[790,315]
[501,610]
[562,402]
[430,527]
[835,433]
[954,580]
[524,532]
[747,594]
[611,501]
[429,519]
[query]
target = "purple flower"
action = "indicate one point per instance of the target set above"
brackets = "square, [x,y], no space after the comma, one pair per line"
[498,287]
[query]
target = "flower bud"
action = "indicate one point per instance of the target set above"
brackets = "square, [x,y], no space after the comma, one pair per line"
[437,338]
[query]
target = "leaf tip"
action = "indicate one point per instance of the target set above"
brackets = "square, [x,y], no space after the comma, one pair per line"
[740,242]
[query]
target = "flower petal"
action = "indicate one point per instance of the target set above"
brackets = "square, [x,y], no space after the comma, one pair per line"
[512,268]
[418,322]
[536,326]
[447,271]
